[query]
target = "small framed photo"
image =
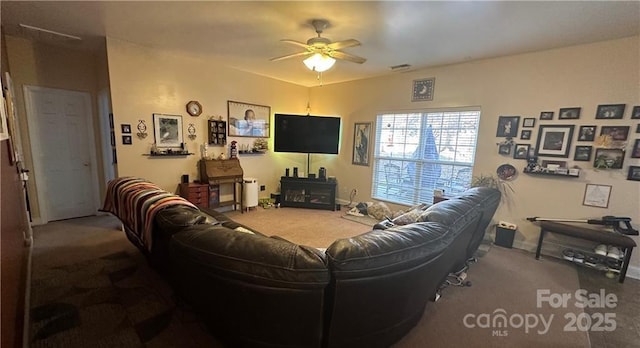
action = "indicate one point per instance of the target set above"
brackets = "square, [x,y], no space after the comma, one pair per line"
[553,164]
[529,122]
[597,195]
[508,126]
[546,115]
[554,141]
[608,158]
[521,151]
[504,149]
[126,140]
[583,153]
[126,128]
[610,111]
[635,153]
[526,134]
[638,128]
[634,173]
[635,114]
[619,133]
[569,113]
[587,133]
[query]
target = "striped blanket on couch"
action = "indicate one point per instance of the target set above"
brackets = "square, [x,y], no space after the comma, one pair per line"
[135,201]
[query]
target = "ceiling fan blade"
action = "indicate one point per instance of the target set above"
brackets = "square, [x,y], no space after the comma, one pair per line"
[344,44]
[297,43]
[347,57]
[291,56]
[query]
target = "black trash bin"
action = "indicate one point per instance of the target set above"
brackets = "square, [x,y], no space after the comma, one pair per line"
[504,237]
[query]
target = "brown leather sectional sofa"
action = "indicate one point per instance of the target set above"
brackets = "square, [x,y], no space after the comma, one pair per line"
[365,291]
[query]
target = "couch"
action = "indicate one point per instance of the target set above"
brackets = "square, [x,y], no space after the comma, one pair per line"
[366,291]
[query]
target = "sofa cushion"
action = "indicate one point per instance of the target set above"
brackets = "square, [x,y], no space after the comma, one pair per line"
[381,251]
[175,218]
[249,257]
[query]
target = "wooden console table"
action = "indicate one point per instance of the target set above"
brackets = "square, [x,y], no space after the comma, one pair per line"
[223,172]
[599,235]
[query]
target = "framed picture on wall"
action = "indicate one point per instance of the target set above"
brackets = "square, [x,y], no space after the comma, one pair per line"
[635,152]
[583,153]
[634,173]
[615,132]
[525,135]
[608,158]
[528,122]
[610,111]
[554,141]
[546,115]
[361,137]
[635,114]
[587,133]
[569,113]
[521,151]
[167,130]
[508,126]
[597,195]
[248,120]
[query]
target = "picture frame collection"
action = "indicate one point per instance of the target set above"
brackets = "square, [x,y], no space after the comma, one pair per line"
[555,140]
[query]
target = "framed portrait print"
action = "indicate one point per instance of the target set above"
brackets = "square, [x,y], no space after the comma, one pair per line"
[508,126]
[546,115]
[587,133]
[597,195]
[635,114]
[569,113]
[619,133]
[528,122]
[635,152]
[583,153]
[127,140]
[167,130]
[525,135]
[634,173]
[610,111]
[521,151]
[638,128]
[554,141]
[361,137]
[504,149]
[126,128]
[248,120]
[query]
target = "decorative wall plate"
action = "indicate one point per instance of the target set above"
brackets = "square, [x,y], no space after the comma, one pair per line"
[506,172]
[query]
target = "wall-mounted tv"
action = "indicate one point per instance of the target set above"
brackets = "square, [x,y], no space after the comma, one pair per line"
[306,134]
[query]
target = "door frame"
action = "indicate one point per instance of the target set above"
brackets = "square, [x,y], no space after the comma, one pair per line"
[36,148]
[104,109]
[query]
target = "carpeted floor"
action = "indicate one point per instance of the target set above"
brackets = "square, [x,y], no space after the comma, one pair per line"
[91,287]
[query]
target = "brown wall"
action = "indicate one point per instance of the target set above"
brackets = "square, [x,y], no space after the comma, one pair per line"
[13,224]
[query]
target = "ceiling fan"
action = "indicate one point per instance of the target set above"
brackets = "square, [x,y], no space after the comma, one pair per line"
[321,50]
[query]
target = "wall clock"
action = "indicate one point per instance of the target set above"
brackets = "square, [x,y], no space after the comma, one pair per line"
[423,89]
[194,108]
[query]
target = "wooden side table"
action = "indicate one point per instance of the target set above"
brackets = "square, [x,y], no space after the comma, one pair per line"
[195,193]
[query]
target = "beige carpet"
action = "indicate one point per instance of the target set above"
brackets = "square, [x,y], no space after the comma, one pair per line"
[502,279]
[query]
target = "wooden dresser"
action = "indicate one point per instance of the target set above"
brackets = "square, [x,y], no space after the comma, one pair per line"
[195,193]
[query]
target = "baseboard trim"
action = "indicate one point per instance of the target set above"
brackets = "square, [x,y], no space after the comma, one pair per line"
[36,222]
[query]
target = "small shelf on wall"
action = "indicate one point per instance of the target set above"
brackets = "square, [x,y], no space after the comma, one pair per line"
[551,174]
[168,154]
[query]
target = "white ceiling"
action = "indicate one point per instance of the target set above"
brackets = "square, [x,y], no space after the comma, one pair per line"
[244,35]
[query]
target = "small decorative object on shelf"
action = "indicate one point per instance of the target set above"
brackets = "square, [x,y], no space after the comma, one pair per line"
[192,131]
[234,149]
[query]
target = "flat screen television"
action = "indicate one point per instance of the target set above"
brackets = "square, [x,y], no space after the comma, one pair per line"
[306,134]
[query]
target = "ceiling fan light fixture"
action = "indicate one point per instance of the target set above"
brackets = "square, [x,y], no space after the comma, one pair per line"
[319,62]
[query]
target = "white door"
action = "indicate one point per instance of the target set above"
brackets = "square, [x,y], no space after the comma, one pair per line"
[59,125]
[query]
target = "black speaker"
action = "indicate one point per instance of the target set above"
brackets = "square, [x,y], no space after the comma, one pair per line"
[185,178]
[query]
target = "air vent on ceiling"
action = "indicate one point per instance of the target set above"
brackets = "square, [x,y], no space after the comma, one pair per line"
[41,34]
[400,67]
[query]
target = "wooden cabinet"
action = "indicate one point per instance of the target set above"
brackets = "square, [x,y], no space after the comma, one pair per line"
[307,193]
[223,172]
[197,194]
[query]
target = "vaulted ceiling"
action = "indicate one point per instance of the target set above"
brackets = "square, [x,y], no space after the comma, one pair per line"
[245,34]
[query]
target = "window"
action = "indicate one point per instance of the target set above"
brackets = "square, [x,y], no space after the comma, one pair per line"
[416,153]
